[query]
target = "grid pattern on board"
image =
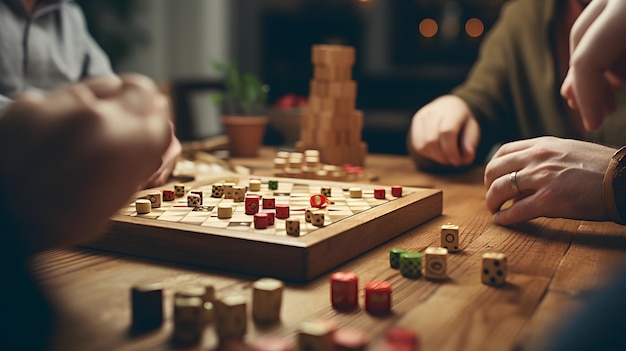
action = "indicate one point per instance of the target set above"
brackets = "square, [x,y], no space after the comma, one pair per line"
[296,195]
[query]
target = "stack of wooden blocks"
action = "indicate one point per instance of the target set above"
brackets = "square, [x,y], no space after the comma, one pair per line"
[332,125]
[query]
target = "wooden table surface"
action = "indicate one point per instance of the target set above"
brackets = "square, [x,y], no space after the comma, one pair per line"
[552,264]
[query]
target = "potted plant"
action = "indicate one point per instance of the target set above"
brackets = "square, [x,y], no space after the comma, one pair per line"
[243,102]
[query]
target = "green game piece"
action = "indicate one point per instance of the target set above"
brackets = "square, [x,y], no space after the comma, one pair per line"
[273,184]
[411,264]
[394,257]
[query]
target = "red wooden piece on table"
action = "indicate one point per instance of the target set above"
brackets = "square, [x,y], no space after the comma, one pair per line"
[396,190]
[269,202]
[260,220]
[379,193]
[271,214]
[344,288]
[252,204]
[169,195]
[282,211]
[404,337]
[318,201]
[378,297]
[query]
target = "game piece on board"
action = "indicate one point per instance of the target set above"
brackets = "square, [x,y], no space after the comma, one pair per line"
[317,218]
[292,226]
[272,184]
[193,200]
[356,193]
[232,319]
[252,204]
[269,201]
[271,216]
[378,297]
[350,339]
[217,190]
[450,237]
[179,189]
[308,213]
[261,221]
[199,193]
[267,297]
[394,257]
[255,185]
[155,198]
[396,190]
[326,191]
[188,320]
[282,211]
[318,201]
[191,290]
[147,307]
[344,289]
[436,263]
[411,264]
[169,195]
[239,193]
[224,211]
[494,268]
[228,190]
[380,193]
[314,336]
[143,206]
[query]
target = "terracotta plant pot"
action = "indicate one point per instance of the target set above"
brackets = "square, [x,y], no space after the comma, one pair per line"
[245,134]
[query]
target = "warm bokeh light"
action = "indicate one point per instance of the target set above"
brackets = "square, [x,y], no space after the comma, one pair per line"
[474,27]
[428,27]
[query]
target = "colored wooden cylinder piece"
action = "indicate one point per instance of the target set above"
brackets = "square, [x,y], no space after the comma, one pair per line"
[378,297]
[344,288]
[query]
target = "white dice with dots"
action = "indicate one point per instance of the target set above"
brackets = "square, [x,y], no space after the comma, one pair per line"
[494,268]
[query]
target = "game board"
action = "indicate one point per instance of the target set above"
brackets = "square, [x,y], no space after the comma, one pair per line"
[175,232]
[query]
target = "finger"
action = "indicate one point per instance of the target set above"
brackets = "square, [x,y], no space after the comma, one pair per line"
[521,210]
[449,141]
[514,146]
[504,165]
[428,134]
[105,86]
[469,141]
[582,23]
[499,192]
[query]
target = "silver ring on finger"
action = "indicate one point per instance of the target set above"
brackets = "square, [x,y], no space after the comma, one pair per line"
[513,182]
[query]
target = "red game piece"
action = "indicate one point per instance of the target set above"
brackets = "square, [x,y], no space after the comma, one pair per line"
[344,287]
[318,201]
[282,211]
[252,204]
[403,336]
[396,190]
[169,195]
[379,193]
[260,220]
[269,202]
[271,214]
[378,297]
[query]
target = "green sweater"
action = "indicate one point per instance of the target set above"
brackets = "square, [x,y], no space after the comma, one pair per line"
[513,88]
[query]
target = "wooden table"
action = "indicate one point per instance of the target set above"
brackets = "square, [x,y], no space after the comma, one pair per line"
[552,262]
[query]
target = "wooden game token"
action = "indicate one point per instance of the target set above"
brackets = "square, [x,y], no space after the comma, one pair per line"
[199,193]
[169,195]
[228,190]
[436,262]
[224,211]
[271,215]
[411,264]
[143,206]
[292,226]
[326,191]
[272,343]
[344,288]
[394,257]
[315,336]
[282,211]
[317,218]
[179,189]
[147,307]
[267,297]
[494,268]
[308,214]
[450,237]
[239,193]
[379,193]
[356,193]
[404,337]
[396,190]
[378,297]
[261,220]
[193,200]
[252,204]
[217,190]
[272,184]
[318,201]
[155,198]
[255,185]
[269,202]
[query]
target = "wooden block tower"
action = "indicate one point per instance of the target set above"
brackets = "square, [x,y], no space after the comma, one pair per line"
[332,125]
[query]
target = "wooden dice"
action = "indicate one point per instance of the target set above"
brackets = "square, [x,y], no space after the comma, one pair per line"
[436,263]
[450,237]
[232,319]
[292,226]
[494,268]
[267,297]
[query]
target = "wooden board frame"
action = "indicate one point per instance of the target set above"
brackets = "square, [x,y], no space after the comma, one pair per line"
[295,259]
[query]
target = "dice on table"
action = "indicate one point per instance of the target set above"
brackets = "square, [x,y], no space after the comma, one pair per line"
[436,263]
[450,237]
[494,268]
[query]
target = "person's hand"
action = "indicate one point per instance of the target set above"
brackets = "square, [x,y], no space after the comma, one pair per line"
[597,61]
[446,132]
[70,159]
[558,178]
[168,162]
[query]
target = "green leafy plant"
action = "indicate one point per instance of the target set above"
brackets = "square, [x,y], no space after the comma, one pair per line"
[244,94]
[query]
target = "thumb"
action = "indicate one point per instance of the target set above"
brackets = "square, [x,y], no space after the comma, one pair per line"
[470,137]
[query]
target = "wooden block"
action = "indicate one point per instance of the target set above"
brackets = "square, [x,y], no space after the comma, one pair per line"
[315,336]
[350,339]
[255,184]
[179,189]
[143,206]
[193,200]
[494,268]
[147,307]
[155,199]
[317,218]
[332,72]
[450,237]
[436,263]
[292,226]
[217,190]
[231,318]
[339,55]
[378,297]
[344,290]
[356,193]
[228,190]
[411,264]
[188,321]
[394,257]
[224,211]
[267,297]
